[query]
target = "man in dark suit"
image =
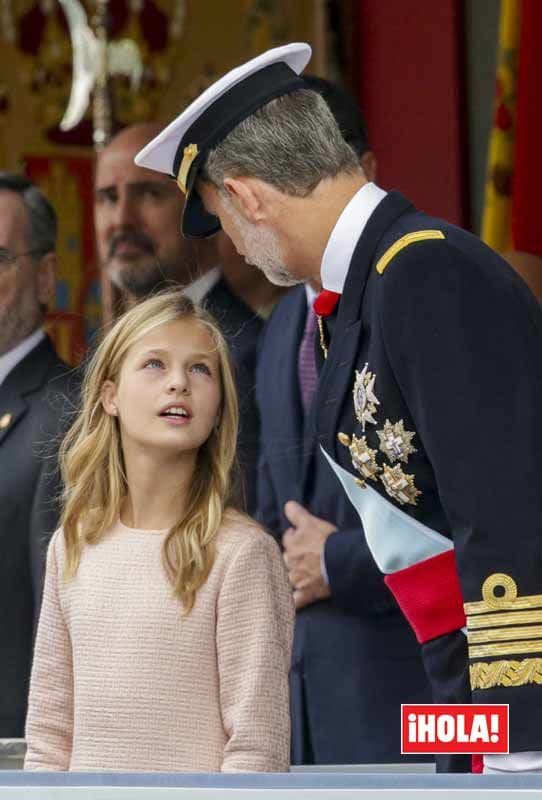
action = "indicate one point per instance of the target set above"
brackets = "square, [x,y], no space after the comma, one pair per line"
[351,642]
[429,395]
[141,248]
[33,381]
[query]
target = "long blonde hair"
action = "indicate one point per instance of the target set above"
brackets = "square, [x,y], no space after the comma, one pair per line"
[92,463]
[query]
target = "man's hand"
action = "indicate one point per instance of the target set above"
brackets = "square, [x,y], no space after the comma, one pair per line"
[303,546]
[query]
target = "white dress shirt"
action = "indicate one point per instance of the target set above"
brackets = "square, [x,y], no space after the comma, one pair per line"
[13,357]
[344,236]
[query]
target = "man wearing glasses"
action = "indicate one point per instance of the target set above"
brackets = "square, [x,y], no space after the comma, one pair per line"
[33,380]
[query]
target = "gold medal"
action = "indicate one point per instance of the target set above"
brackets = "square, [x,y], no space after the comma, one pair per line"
[365,400]
[395,441]
[399,485]
[363,458]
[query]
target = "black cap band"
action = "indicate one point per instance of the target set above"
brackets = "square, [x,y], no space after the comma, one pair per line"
[233,107]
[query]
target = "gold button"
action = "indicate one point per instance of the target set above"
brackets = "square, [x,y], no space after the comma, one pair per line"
[4,421]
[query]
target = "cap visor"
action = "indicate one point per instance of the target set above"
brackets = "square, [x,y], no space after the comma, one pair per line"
[197,223]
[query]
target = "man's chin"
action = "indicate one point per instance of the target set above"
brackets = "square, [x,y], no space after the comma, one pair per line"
[279,276]
[136,277]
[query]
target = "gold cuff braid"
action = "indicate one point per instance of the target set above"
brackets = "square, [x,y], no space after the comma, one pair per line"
[486,675]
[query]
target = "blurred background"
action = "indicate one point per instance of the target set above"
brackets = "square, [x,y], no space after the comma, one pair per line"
[447,87]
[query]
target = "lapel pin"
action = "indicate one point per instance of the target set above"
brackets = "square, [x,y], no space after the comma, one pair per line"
[4,421]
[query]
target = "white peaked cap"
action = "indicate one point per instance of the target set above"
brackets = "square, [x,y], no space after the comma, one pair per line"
[181,148]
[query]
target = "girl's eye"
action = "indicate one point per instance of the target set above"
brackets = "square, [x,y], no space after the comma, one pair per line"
[153,363]
[201,368]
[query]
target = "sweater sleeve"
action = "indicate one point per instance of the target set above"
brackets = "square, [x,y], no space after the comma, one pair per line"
[49,722]
[254,640]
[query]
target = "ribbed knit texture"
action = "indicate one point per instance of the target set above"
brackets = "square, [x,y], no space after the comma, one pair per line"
[122,681]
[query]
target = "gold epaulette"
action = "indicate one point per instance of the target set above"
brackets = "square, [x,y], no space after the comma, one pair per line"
[404,241]
[504,625]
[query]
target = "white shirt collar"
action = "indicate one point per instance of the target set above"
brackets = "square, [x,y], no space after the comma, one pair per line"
[13,357]
[344,236]
[199,288]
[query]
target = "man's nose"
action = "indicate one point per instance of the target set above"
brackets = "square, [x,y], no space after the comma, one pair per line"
[125,212]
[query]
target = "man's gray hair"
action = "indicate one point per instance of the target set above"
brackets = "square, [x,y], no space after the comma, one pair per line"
[42,222]
[293,142]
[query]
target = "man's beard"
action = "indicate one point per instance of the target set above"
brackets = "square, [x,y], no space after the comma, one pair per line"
[263,250]
[149,273]
[20,319]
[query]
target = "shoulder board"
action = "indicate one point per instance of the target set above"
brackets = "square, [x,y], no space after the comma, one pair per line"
[404,241]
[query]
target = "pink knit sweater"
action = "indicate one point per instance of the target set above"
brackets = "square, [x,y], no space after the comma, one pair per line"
[122,681]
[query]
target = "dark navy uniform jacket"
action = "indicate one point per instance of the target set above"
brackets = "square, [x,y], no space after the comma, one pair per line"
[355,659]
[453,340]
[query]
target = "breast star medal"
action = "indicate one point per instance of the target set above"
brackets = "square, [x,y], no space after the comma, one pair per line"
[395,441]
[399,485]
[4,421]
[365,400]
[363,458]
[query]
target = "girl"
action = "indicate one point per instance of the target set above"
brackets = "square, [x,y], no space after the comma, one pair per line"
[165,633]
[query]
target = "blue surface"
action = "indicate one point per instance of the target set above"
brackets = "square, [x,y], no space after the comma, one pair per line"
[271,781]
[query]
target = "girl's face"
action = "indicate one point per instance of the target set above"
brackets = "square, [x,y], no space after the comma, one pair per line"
[169,391]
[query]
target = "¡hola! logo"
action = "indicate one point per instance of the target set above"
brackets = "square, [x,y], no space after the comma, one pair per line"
[454,729]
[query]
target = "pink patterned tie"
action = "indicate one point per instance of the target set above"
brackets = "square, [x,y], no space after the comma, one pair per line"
[306,364]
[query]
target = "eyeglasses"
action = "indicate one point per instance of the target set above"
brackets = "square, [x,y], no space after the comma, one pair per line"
[7,258]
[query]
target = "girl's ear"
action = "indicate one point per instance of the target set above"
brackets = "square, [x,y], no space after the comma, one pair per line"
[109,398]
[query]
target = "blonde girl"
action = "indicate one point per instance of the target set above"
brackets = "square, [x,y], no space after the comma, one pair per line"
[165,633]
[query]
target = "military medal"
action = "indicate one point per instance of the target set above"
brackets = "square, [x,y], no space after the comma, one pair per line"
[363,458]
[395,441]
[399,485]
[365,400]
[4,421]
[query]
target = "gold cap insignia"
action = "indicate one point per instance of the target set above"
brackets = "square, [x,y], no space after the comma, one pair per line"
[4,421]
[395,441]
[365,400]
[190,153]
[399,485]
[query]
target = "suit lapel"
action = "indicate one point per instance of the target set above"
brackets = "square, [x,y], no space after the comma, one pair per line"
[336,375]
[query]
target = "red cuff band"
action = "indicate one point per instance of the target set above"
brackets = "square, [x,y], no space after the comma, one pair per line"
[429,595]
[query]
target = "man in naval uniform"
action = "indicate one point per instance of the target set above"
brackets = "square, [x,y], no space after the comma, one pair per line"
[428,397]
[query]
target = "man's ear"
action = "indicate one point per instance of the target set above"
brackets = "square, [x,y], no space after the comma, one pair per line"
[368,163]
[46,276]
[245,195]
[109,398]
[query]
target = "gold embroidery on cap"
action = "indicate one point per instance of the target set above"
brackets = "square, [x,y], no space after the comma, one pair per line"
[190,153]
[486,675]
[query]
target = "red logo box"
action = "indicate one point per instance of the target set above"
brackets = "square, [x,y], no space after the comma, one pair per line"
[454,728]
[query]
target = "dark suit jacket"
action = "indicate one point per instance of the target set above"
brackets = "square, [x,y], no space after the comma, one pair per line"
[355,659]
[32,396]
[241,328]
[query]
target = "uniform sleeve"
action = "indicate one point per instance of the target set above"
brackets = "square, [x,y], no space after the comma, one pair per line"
[49,723]
[464,341]
[254,640]
[356,583]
